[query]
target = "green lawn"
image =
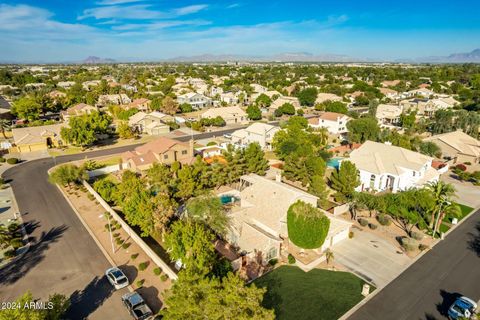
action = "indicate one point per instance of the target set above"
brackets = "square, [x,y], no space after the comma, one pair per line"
[318,294]
[465,211]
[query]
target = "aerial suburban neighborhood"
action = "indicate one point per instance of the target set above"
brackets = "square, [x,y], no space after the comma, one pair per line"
[198,171]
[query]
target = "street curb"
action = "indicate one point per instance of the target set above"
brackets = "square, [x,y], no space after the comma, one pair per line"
[105,253]
[24,232]
[414,260]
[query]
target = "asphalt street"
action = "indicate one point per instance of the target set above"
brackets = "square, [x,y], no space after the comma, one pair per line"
[428,287]
[63,257]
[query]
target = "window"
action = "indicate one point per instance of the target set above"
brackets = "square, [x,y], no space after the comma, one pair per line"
[184,151]
[165,156]
[413,172]
[271,254]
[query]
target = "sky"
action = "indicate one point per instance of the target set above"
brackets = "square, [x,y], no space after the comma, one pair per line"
[66,30]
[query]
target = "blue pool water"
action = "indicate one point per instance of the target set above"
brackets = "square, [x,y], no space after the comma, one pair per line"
[226,198]
[334,163]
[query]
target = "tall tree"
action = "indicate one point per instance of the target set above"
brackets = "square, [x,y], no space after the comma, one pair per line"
[209,210]
[169,106]
[363,129]
[57,306]
[344,180]
[212,298]
[307,96]
[255,159]
[192,244]
[254,112]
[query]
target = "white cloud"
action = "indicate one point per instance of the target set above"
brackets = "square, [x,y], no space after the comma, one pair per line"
[138,12]
[189,9]
[233,5]
[160,25]
[114,2]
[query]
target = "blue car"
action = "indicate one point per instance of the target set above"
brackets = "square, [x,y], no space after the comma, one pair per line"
[462,308]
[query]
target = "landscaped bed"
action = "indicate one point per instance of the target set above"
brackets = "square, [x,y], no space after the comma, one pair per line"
[317,294]
[446,225]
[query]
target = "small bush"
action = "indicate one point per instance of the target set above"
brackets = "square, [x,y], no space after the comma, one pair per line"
[12,160]
[9,253]
[291,259]
[164,277]
[416,235]
[273,262]
[142,266]
[116,235]
[372,226]
[409,244]
[91,196]
[363,222]
[140,283]
[468,163]
[118,241]
[2,159]
[126,245]
[16,243]
[157,271]
[423,247]
[351,234]
[384,220]
[134,256]
[461,167]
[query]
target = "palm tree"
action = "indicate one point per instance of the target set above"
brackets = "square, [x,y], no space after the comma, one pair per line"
[442,193]
[329,256]
[4,125]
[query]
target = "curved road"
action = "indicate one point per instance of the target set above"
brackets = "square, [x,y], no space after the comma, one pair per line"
[63,258]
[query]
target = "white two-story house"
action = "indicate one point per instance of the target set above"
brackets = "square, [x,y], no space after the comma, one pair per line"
[385,167]
[335,123]
[196,100]
[261,133]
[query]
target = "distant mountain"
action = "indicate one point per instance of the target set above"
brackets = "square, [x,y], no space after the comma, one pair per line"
[97,60]
[473,56]
[282,57]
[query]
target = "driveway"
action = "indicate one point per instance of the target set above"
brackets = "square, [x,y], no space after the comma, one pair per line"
[467,193]
[371,258]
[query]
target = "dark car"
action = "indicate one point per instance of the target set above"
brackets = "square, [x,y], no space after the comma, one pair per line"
[137,306]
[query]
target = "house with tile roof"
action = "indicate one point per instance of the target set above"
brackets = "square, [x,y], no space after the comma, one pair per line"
[261,133]
[162,150]
[142,104]
[388,114]
[259,222]
[231,115]
[77,110]
[196,100]
[384,167]
[457,145]
[335,123]
[153,123]
[39,138]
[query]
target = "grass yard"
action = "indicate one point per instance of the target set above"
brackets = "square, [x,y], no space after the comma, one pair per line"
[318,294]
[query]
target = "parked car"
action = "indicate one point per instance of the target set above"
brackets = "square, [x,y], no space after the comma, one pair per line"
[137,306]
[227,136]
[462,308]
[117,278]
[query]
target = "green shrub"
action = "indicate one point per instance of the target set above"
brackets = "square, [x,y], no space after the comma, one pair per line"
[134,256]
[423,247]
[416,235]
[273,262]
[384,220]
[157,271]
[351,234]
[8,254]
[140,283]
[372,226]
[2,159]
[409,244]
[116,235]
[291,259]
[142,266]
[307,226]
[12,160]
[118,241]
[164,277]
[363,222]
[468,163]
[16,243]
[126,245]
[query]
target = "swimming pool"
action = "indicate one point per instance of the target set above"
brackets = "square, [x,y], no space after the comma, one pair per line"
[228,198]
[334,163]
